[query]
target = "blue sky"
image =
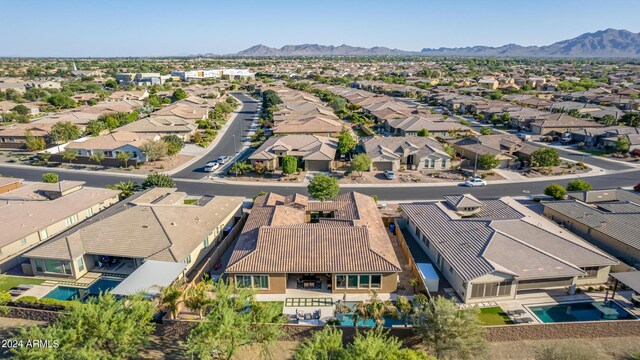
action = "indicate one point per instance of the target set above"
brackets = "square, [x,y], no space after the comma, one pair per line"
[162,28]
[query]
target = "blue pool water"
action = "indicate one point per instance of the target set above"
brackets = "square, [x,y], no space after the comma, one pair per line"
[347,320]
[585,311]
[70,293]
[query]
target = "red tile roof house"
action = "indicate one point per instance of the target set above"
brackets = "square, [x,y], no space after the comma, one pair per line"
[339,246]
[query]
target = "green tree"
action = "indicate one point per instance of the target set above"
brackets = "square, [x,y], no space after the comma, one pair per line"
[65,131]
[405,308]
[50,178]
[449,332]
[174,144]
[414,282]
[126,188]
[62,101]
[578,185]
[545,157]
[238,321]
[104,328]
[338,104]
[555,190]
[21,109]
[123,156]
[322,345]
[154,150]
[323,187]
[488,161]
[94,127]
[178,94]
[289,164]
[485,130]
[111,84]
[69,154]
[34,143]
[346,141]
[158,180]
[377,309]
[45,156]
[98,157]
[360,163]
[423,132]
[171,298]
[623,144]
[197,298]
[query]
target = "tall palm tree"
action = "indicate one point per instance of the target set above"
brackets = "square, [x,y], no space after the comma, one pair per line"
[377,309]
[405,308]
[414,282]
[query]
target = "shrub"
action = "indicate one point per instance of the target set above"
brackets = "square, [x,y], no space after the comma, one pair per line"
[578,185]
[556,191]
[50,178]
[601,288]
[27,299]
[545,157]
[590,289]
[289,164]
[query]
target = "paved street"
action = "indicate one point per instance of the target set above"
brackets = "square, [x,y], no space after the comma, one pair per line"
[240,127]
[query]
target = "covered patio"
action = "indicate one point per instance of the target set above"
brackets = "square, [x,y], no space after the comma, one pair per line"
[150,278]
[632,280]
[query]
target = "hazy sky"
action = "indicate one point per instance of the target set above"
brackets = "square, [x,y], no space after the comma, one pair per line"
[163,28]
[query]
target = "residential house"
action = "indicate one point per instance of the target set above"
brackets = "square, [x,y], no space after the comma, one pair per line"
[412,153]
[35,212]
[152,225]
[496,249]
[162,125]
[607,218]
[314,153]
[337,246]
[15,136]
[111,144]
[436,125]
[560,123]
[128,95]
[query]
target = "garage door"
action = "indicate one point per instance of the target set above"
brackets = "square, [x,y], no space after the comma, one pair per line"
[317,165]
[383,165]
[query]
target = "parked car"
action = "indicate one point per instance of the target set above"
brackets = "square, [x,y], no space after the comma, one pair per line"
[211,166]
[389,174]
[475,182]
[223,159]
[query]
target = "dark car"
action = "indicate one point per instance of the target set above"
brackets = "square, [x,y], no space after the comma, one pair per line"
[637,188]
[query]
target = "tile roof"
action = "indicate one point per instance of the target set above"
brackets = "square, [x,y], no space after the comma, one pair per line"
[277,238]
[504,236]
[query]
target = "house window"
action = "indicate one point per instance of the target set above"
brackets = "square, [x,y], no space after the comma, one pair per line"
[80,264]
[187,260]
[491,289]
[260,281]
[376,281]
[206,241]
[55,266]
[433,163]
[71,220]
[89,212]
[341,281]
[418,233]
[592,272]
[444,163]
[425,240]
[23,242]
[364,281]
[39,267]
[43,234]
[439,261]
[352,281]
[426,163]
[243,281]
[108,154]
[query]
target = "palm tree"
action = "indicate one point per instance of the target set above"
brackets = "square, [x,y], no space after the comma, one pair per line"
[405,307]
[414,282]
[197,298]
[126,188]
[171,298]
[377,309]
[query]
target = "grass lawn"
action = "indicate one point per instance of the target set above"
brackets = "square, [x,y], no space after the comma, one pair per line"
[494,316]
[190,201]
[600,153]
[7,282]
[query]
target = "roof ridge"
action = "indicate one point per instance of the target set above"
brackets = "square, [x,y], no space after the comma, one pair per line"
[153,211]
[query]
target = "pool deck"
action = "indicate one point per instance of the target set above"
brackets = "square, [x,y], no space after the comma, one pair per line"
[523,301]
[43,289]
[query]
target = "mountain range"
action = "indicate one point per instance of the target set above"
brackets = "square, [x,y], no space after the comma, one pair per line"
[609,43]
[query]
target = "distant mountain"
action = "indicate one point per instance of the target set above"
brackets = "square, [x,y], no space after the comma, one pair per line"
[604,43]
[319,50]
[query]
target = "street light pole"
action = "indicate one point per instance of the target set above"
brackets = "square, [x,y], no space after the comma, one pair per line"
[235,155]
[475,164]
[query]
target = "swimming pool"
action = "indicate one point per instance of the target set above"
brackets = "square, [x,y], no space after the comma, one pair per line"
[70,293]
[584,311]
[347,320]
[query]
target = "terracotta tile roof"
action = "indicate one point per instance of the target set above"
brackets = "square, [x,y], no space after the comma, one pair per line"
[279,240]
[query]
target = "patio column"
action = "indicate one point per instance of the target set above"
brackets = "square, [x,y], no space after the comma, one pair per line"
[615,287]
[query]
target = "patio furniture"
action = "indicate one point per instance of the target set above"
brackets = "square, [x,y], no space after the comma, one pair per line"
[300,314]
[308,316]
[316,314]
[15,292]
[518,312]
[524,320]
[24,287]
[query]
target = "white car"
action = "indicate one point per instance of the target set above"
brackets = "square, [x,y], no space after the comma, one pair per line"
[475,182]
[389,174]
[211,166]
[223,159]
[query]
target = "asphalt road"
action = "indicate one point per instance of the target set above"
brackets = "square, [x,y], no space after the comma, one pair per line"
[385,193]
[240,127]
